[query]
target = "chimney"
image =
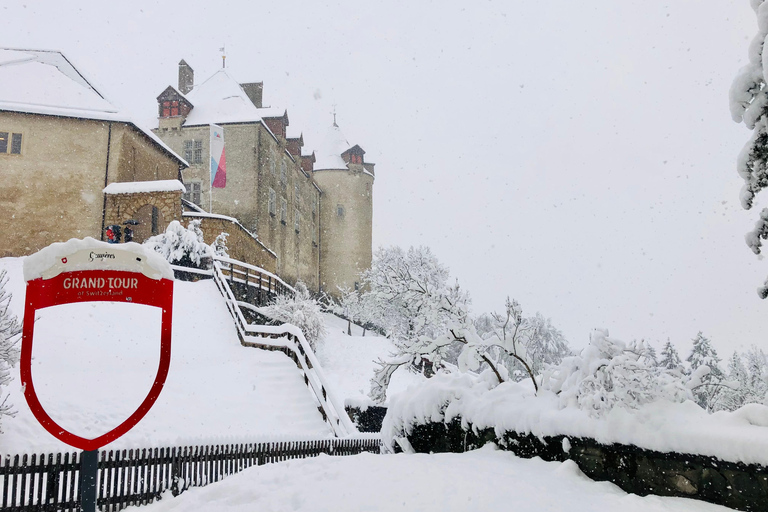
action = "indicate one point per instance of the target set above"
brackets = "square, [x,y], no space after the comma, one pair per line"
[186,77]
[255,92]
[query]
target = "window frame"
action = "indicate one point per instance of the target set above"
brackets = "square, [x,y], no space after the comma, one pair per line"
[9,143]
[272,202]
[283,211]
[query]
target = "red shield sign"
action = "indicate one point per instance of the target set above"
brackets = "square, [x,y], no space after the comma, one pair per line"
[77,286]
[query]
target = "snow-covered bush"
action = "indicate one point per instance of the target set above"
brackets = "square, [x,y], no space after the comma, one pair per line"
[182,246]
[219,245]
[609,373]
[10,329]
[301,310]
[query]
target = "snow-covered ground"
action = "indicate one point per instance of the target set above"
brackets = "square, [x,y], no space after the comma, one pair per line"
[348,361]
[483,480]
[216,391]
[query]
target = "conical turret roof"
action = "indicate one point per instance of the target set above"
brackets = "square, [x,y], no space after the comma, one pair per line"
[329,153]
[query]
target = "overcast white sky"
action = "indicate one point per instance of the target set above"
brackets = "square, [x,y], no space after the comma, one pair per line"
[577,156]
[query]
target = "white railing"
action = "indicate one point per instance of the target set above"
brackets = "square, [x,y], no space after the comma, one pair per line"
[291,340]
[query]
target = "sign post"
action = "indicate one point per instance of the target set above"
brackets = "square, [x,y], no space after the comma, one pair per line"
[92,271]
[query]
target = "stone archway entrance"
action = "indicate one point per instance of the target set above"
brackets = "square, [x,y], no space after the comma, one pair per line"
[150,222]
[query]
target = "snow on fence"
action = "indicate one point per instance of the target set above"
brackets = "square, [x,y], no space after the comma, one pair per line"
[137,477]
[288,339]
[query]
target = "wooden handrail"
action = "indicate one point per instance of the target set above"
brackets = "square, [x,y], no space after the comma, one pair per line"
[294,344]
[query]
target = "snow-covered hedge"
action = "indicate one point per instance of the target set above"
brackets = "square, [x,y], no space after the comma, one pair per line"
[608,393]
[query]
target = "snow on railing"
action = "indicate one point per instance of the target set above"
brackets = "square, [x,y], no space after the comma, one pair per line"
[246,272]
[289,338]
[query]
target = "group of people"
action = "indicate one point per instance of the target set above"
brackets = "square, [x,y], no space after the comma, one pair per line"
[116,234]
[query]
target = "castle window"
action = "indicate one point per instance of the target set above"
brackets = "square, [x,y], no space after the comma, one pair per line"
[166,109]
[296,193]
[272,202]
[283,210]
[283,172]
[193,151]
[193,192]
[296,220]
[10,143]
[340,210]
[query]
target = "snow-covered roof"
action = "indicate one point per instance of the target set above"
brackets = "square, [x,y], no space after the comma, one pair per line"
[221,99]
[328,155]
[134,187]
[204,214]
[45,82]
[272,112]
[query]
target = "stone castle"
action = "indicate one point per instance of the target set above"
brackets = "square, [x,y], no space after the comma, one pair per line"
[313,210]
[72,164]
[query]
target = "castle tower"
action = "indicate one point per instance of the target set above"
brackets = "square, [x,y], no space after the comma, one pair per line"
[346,212]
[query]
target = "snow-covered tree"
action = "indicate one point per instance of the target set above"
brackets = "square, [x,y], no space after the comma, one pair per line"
[670,359]
[507,348]
[219,245]
[609,373]
[182,246]
[749,104]
[405,290]
[757,368]
[650,354]
[10,329]
[709,393]
[301,310]
[427,352]
[543,343]
[738,395]
[354,307]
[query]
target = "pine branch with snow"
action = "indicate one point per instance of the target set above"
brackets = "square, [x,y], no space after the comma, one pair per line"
[670,359]
[748,100]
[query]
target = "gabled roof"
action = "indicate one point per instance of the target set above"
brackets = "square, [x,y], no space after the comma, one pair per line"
[329,153]
[274,113]
[356,150]
[220,99]
[45,82]
[172,92]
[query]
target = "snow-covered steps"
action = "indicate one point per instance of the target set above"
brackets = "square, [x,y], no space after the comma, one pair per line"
[290,340]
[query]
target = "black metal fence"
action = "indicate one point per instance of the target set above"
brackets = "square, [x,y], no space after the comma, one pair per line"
[136,477]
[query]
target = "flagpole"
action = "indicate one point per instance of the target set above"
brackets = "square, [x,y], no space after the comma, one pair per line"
[210,179]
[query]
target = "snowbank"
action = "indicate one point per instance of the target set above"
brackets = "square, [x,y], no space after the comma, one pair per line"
[739,436]
[348,361]
[90,253]
[483,480]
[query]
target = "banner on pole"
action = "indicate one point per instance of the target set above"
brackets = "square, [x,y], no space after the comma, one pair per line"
[218,158]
